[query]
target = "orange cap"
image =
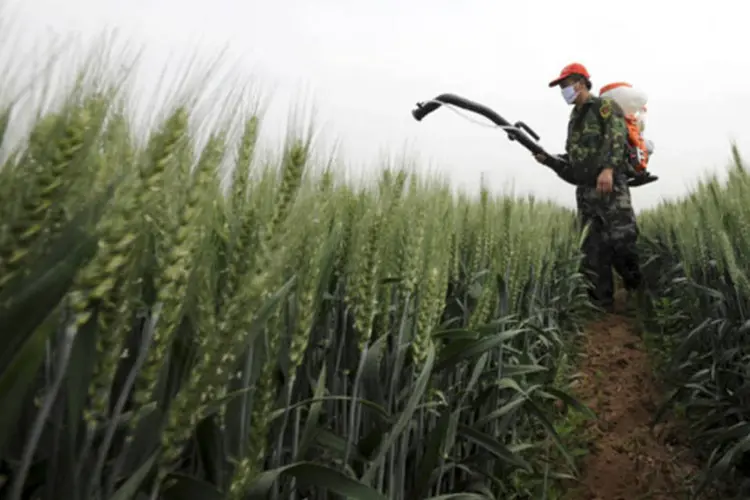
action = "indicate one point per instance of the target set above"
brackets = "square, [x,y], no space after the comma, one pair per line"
[570,69]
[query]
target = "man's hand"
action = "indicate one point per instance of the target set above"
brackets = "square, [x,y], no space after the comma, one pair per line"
[541,158]
[604,181]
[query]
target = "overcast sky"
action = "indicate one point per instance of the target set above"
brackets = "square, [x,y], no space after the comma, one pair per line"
[365,64]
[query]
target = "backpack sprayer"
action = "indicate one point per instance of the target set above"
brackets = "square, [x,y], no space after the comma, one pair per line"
[519,132]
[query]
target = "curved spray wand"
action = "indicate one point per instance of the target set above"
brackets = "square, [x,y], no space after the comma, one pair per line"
[519,132]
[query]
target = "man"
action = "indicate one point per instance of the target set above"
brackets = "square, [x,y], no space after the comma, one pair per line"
[596,164]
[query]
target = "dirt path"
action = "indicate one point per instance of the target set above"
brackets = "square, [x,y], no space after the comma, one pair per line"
[627,460]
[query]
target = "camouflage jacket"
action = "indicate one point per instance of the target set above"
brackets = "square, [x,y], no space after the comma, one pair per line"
[597,136]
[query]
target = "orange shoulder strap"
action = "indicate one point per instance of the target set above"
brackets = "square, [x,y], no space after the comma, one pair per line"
[636,139]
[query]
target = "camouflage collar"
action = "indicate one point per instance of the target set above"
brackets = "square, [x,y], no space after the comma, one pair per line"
[591,99]
[578,107]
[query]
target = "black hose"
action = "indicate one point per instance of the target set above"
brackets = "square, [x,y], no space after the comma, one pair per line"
[516,132]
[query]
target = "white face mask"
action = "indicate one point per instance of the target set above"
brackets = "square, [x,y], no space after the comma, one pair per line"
[569,94]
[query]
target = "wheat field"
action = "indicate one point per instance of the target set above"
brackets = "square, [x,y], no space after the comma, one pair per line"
[185,317]
[695,250]
[167,334]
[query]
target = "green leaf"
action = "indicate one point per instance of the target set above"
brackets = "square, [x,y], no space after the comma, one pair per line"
[475,376]
[213,406]
[267,309]
[18,378]
[431,456]
[182,487]
[28,299]
[379,410]
[516,402]
[78,375]
[731,456]
[509,383]
[133,484]
[312,418]
[460,496]
[493,446]
[338,445]
[569,401]
[457,334]
[370,373]
[405,417]
[454,353]
[317,475]
[518,370]
[553,434]
[24,310]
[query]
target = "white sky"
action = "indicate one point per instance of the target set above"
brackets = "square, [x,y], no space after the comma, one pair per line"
[365,64]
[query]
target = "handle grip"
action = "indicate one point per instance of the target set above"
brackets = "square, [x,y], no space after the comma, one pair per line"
[528,130]
[424,108]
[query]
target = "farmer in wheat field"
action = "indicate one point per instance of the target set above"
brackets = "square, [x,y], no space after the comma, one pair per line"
[595,150]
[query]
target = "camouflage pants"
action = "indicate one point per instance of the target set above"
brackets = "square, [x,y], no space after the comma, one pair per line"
[602,253]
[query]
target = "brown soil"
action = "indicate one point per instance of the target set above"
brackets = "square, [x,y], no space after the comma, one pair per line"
[628,460]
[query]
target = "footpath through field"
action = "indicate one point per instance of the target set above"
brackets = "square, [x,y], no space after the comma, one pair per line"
[627,460]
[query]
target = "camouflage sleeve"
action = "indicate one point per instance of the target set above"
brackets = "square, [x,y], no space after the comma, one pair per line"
[614,136]
[610,152]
